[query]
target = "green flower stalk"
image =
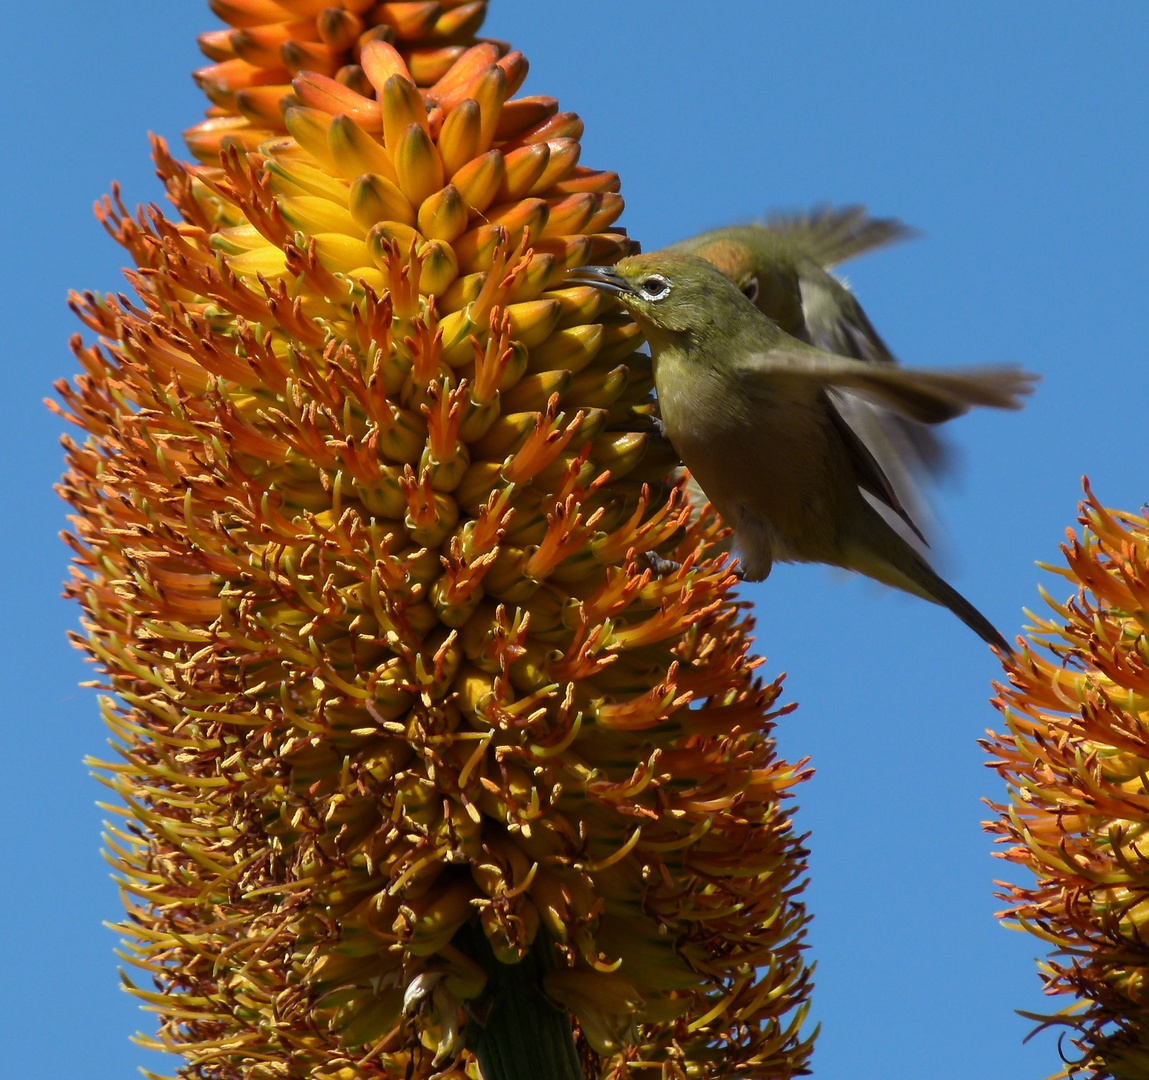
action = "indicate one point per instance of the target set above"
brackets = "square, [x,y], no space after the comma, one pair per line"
[414,751]
[1075,757]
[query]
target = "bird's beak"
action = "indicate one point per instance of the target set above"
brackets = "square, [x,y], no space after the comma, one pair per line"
[605,278]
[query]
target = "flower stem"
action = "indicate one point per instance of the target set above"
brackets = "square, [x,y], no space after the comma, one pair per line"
[513,1029]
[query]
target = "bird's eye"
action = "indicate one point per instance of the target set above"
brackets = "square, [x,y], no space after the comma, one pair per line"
[750,290]
[654,288]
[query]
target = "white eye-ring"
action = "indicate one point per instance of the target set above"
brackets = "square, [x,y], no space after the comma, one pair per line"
[654,288]
[750,290]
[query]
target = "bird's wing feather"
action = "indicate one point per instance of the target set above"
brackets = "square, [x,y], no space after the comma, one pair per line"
[836,323]
[930,397]
[831,236]
[859,423]
[835,320]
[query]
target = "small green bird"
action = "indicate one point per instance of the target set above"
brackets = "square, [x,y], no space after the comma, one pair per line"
[753,414]
[782,266]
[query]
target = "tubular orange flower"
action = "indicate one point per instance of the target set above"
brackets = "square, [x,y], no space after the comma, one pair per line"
[1076,759]
[360,521]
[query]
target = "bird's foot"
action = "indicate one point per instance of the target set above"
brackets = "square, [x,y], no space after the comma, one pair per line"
[647,423]
[661,567]
[643,417]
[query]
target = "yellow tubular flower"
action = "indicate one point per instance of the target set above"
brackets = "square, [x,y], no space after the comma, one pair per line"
[1076,760]
[359,526]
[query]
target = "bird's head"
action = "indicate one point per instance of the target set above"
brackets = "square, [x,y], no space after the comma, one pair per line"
[669,294]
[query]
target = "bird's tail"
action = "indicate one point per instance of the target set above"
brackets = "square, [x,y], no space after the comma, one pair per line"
[883,555]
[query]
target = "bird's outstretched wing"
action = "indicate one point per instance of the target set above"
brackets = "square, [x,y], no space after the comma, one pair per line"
[868,434]
[835,321]
[927,396]
[832,235]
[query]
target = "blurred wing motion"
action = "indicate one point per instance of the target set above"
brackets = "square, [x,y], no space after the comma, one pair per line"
[874,455]
[866,404]
[836,323]
[831,236]
[929,397]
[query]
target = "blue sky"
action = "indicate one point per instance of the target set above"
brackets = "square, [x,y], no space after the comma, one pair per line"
[1013,135]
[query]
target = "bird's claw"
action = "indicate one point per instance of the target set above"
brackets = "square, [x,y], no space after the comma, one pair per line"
[643,418]
[640,424]
[661,567]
